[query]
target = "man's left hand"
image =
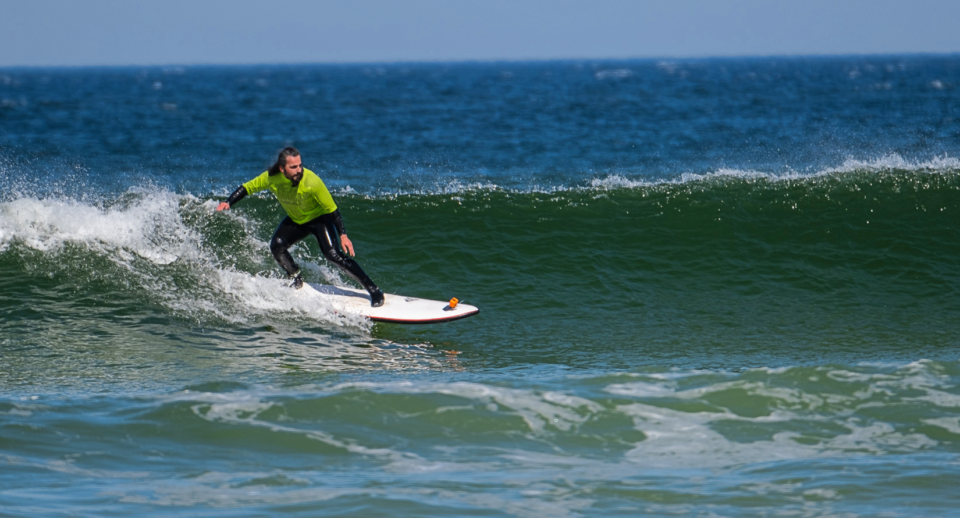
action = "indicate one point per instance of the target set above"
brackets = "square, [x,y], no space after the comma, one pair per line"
[347,245]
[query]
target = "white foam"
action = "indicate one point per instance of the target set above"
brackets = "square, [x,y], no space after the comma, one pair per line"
[892,162]
[537,409]
[245,408]
[641,389]
[152,228]
[219,489]
[896,162]
[676,439]
[688,439]
[454,187]
[950,424]
[265,295]
[617,181]
[68,467]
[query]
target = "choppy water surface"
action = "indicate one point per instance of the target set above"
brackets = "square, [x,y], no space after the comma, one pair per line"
[708,288]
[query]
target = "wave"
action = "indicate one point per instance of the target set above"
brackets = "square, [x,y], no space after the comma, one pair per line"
[172,250]
[514,184]
[773,437]
[873,214]
[821,263]
[752,417]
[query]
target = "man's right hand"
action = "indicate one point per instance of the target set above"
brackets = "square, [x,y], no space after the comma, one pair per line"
[223,205]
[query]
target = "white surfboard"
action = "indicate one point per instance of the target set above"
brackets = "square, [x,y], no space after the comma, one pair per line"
[396,308]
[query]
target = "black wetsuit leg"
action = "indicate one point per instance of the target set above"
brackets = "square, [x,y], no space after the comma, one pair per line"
[287,234]
[325,230]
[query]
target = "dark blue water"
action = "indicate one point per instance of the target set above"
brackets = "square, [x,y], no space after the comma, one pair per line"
[708,287]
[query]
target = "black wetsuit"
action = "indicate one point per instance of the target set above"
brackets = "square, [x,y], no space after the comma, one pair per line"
[327,229]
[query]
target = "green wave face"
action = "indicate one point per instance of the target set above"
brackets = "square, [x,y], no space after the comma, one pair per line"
[725,270]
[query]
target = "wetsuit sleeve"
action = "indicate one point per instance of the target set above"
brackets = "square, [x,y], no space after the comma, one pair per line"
[338,222]
[259,183]
[237,195]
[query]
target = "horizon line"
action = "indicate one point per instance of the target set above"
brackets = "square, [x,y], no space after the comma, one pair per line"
[494,60]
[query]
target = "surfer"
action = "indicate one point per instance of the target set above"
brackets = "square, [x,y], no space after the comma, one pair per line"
[310,210]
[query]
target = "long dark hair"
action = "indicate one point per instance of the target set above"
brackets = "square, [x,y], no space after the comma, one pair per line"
[282,159]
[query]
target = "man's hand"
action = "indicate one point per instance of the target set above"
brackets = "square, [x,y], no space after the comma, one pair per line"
[347,245]
[223,205]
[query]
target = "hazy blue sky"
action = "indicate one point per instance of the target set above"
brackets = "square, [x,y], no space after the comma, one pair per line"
[141,32]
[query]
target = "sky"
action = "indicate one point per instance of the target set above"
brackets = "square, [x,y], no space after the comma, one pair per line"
[191,32]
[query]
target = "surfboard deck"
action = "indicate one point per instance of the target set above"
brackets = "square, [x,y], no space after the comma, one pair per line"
[396,309]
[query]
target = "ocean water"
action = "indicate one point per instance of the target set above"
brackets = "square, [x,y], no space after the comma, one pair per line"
[723,287]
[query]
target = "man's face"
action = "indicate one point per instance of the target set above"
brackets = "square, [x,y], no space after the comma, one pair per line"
[293,170]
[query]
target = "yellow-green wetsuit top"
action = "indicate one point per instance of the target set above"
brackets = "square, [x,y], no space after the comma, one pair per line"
[308,200]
